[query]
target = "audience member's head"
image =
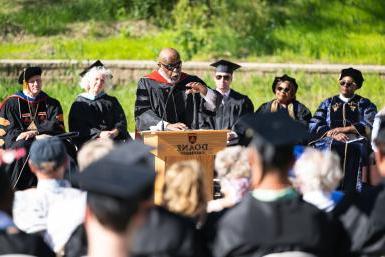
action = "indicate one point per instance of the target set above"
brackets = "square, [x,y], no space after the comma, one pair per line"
[119,190]
[184,189]
[271,149]
[233,171]
[93,151]
[317,170]
[48,158]
[96,78]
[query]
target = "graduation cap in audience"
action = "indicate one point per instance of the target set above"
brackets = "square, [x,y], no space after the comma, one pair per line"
[28,73]
[97,63]
[225,66]
[275,128]
[121,173]
[355,74]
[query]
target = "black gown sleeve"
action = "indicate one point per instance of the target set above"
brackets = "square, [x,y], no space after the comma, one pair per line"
[77,122]
[144,114]
[54,123]
[120,119]
[10,123]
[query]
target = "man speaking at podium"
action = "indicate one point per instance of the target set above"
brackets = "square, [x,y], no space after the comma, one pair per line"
[169,99]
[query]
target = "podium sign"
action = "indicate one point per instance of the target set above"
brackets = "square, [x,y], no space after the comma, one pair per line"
[174,146]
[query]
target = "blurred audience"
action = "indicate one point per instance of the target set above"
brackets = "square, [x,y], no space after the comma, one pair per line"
[233,172]
[317,175]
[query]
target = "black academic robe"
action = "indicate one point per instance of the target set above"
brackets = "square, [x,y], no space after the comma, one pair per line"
[90,117]
[301,112]
[166,234]
[17,113]
[152,94]
[256,228]
[362,215]
[17,242]
[231,109]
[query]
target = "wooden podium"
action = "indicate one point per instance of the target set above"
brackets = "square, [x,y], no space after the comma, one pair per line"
[174,146]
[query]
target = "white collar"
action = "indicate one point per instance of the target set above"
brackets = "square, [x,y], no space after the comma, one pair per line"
[5,221]
[320,199]
[91,96]
[226,94]
[345,99]
[52,183]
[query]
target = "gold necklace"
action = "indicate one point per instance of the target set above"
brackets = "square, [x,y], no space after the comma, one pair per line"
[32,125]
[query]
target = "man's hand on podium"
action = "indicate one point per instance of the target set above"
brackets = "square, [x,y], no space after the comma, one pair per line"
[176,126]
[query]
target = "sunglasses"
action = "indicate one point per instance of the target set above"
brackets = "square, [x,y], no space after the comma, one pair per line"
[347,83]
[225,77]
[172,66]
[284,89]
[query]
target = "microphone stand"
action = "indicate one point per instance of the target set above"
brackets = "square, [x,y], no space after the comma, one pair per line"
[165,105]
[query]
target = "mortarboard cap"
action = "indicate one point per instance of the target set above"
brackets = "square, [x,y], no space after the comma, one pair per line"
[225,66]
[275,128]
[49,149]
[119,174]
[284,78]
[355,74]
[28,73]
[97,63]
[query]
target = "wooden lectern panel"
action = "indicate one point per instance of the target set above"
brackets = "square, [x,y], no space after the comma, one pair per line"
[174,146]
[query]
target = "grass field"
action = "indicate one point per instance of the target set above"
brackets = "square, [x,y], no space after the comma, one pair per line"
[298,31]
[312,90]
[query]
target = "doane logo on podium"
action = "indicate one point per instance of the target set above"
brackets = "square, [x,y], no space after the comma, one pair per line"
[192,138]
[192,148]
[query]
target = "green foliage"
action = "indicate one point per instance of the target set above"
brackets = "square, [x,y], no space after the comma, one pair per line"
[343,31]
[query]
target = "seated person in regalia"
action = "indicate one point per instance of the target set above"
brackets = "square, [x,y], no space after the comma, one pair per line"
[25,116]
[285,89]
[94,113]
[343,123]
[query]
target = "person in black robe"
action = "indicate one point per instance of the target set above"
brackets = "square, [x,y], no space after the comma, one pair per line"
[12,240]
[95,114]
[343,123]
[363,213]
[233,105]
[166,234]
[168,99]
[24,116]
[273,218]
[285,89]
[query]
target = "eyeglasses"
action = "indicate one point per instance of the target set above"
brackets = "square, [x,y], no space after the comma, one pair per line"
[172,66]
[347,83]
[225,77]
[284,89]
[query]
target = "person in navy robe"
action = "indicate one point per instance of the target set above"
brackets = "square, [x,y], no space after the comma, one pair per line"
[285,89]
[169,99]
[343,123]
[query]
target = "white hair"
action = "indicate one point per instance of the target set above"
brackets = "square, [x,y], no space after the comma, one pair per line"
[232,162]
[90,76]
[317,170]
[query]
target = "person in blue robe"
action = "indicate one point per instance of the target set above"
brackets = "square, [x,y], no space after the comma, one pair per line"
[343,123]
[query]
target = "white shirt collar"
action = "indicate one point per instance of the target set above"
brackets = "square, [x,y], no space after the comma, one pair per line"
[52,183]
[320,199]
[345,99]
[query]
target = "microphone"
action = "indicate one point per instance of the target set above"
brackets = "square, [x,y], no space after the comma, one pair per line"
[165,106]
